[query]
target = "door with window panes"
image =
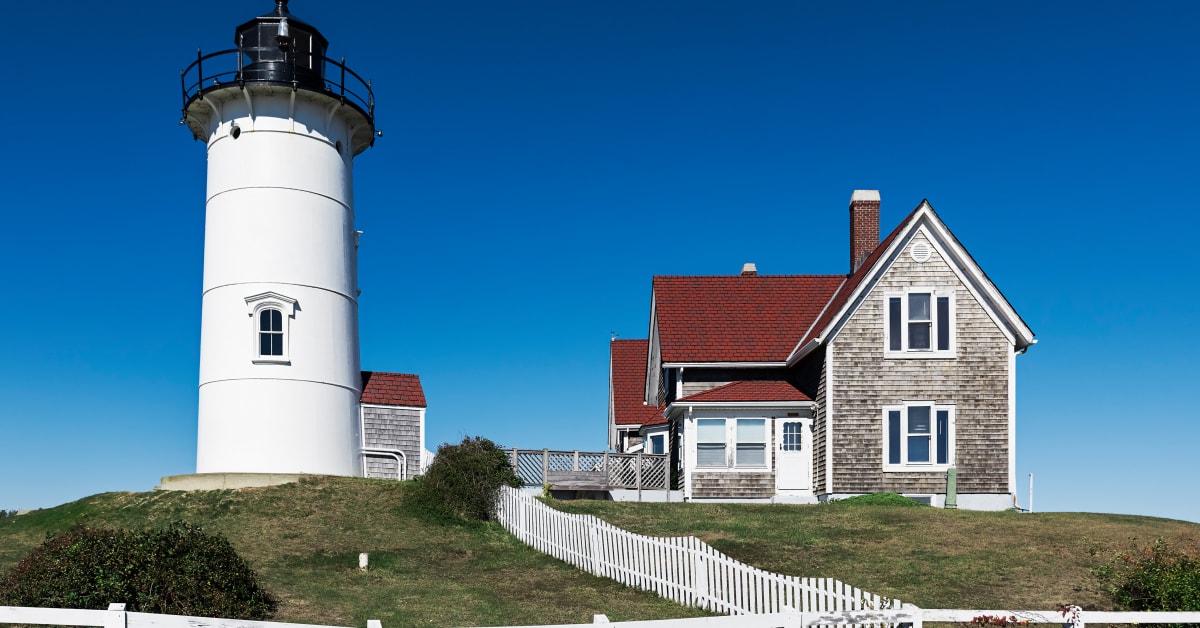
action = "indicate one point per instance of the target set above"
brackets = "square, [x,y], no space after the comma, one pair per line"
[793,454]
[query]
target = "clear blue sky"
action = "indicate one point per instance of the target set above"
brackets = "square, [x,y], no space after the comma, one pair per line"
[543,159]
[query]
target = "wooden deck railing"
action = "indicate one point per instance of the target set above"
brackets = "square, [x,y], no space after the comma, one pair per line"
[586,470]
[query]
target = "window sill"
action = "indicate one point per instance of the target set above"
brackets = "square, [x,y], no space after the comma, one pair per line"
[283,361]
[916,468]
[919,355]
[762,468]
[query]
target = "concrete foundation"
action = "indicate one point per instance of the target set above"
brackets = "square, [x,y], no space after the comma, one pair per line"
[219,481]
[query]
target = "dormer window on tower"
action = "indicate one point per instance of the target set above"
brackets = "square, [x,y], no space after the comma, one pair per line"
[271,314]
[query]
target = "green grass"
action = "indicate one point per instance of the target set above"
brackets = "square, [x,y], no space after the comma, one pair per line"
[930,557]
[304,540]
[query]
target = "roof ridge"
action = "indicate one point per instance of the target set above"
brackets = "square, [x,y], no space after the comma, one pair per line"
[758,276]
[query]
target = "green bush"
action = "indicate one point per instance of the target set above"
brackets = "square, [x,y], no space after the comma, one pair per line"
[880,499]
[1155,577]
[462,481]
[179,570]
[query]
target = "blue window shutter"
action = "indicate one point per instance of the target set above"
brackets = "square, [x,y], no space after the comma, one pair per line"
[943,437]
[943,323]
[894,323]
[893,437]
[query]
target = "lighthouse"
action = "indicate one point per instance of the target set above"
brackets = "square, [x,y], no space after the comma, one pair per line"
[280,382]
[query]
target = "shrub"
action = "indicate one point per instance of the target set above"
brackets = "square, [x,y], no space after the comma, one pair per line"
[1155,577]
[461,483]
[880,499]
[179,570]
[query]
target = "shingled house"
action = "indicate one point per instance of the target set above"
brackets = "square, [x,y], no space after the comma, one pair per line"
[807,387]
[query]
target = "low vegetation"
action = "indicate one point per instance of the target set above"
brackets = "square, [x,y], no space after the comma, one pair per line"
[461,483]
[304,539]
[1157,576]
[179,570]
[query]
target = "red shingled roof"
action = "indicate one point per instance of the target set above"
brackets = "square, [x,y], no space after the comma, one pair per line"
[839,299]
[628,360]
[769,390]
[756,318]
[392,389]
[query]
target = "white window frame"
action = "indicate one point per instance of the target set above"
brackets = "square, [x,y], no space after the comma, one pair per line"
[700,441]
[731,444]
[934,325]
[736,443]
[270,301]
[933,464]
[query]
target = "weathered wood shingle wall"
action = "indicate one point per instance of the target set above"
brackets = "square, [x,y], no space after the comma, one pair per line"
[392,427]
[976,381]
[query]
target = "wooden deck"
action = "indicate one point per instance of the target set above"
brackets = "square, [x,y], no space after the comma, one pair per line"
[578,480]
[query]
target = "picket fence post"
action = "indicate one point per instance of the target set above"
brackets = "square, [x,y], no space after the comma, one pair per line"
[699,574]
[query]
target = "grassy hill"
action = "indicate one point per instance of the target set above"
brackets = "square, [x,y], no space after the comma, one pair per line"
[304,540]
[926,556]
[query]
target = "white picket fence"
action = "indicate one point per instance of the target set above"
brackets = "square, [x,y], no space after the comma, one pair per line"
[683,569]
[117,617]
[908,616]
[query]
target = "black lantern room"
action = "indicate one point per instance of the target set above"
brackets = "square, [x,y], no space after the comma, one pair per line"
[281,48]
[273,50]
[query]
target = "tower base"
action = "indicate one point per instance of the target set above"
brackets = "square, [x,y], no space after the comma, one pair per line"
[221,481]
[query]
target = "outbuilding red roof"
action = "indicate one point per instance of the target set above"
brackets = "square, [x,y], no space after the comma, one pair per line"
[392,389]
[628,363]
[740,318]
[769,390]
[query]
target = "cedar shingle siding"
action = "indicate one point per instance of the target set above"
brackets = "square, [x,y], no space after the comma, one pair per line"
[819,427]
[392,428]
[733,485]
[976,382]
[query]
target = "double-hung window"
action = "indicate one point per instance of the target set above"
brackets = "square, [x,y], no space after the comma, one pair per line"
[918,436]
[919,324]
[270,332]
[745,439]
[751,443]
[710,443]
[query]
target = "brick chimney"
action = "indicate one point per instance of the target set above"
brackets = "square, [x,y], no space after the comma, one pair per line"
[749,270]
[864,226]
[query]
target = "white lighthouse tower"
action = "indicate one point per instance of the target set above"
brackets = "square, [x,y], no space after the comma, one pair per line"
[280,383]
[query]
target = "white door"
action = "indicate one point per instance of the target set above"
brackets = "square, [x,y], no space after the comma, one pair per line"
[793,454]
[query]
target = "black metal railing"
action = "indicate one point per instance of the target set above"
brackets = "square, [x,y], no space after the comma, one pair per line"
[195,82]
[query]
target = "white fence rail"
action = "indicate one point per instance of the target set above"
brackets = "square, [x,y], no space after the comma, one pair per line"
[683,569]
[117,617]
[909,615]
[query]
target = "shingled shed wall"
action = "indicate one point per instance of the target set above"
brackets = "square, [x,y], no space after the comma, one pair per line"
[393,414]
[389,427]
[976,382]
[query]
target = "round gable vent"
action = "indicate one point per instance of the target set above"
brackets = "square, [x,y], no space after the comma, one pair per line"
[920,252]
